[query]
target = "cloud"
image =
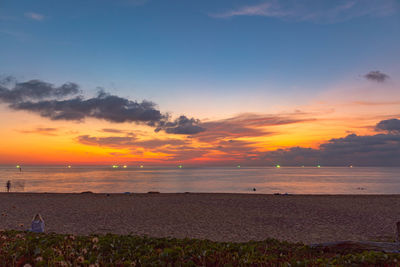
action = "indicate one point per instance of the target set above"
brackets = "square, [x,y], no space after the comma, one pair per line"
[41,130]
[50,102]
[158,143]
[376,103]
[171,149]
[104,106]
[219,139]
[112,141]
[182,125]
[264,9]
[236,149]
[34,16]
[368,150]
[129,142]
[376,76]
[246,125]
[110,130]
[313,10]
[358,150]
[33,90]
[390,126]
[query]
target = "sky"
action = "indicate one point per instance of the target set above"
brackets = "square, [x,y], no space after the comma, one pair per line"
[255,83]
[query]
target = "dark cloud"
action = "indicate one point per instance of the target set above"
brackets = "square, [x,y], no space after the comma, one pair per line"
[52,102]
[369,150]
[376,76]
[182,125]
[373,150]
[103,106]
[390,126]
[294,156]
[14,92]
[7,80]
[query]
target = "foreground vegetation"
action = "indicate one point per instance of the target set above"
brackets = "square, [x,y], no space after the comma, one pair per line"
[29,249]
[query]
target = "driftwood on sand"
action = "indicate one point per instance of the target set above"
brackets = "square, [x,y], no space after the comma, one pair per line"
[390,247]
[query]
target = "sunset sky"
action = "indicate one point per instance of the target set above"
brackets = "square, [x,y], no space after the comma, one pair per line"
[200,82]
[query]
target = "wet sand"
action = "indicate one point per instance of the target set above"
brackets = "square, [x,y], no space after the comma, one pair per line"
[220,217]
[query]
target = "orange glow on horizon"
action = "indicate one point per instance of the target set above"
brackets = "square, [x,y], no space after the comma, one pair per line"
[30,139]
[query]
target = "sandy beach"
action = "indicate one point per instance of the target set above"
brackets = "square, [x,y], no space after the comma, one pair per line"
[220,217]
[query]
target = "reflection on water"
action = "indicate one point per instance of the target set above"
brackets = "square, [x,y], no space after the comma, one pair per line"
[324,180]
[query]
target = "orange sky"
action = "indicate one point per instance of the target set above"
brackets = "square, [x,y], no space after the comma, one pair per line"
[28,138]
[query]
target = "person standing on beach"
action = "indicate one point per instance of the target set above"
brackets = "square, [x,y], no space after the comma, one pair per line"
[8,186]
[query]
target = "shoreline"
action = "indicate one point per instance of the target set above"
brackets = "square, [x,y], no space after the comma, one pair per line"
[214,216]
[189,193]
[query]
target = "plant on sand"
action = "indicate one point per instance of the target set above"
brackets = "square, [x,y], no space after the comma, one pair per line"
[24,248]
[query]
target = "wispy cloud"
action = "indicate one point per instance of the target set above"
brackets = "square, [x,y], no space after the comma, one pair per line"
[41,130]
[323,11]
[376,103]
[247,125]
[264,9]
[34,16]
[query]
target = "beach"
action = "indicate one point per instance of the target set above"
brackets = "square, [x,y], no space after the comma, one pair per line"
[218,217]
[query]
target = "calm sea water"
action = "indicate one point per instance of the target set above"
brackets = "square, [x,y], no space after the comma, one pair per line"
[307,180]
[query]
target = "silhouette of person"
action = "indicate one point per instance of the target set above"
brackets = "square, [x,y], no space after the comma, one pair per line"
[8,185]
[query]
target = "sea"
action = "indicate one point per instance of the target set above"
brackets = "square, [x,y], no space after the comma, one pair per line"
[250,180]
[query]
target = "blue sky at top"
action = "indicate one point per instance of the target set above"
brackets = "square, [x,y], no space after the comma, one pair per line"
[169,51]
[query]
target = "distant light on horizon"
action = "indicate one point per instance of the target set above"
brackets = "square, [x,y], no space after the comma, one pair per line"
[318,166]
[125,166]
[115,166]
[18,166]
[180,166]
[141,166]
[69,166]
[278,166]
[238,166]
